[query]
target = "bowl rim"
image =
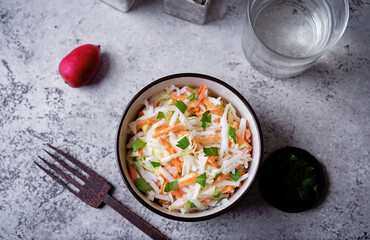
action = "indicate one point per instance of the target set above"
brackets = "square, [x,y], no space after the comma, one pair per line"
[213,79]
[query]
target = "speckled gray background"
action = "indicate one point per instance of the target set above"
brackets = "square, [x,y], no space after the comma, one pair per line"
[325,110]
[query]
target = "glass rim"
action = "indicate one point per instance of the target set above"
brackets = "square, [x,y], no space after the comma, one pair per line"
[310,57]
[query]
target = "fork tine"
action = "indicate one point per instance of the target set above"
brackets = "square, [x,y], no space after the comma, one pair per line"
[56,179]
[69,168]
[76,162]
[61,173]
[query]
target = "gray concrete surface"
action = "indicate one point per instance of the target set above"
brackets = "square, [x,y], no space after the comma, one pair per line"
[326,110]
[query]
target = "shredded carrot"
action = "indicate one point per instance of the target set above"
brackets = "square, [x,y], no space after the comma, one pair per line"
[161,175]
[160,128]
[209,139]
[206,200]
[146,121]
[188,181]
[228,189]
[199,90]
[200,94]
[239,140]
[212,161]
[237,167]
[140,152]
[132,172]
[178,164]
[182,132]
[208,104]
[216,111]
[235,124]
[141,113]
[167,146]
[181,98]
[178,193]
[166,130]
[221,177]
[175,173]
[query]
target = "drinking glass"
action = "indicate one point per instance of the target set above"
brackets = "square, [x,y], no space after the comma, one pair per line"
[282,38]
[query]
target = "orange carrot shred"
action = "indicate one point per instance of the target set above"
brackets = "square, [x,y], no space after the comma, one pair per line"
[181,98]
[182,132]
[167,146]
[228,189]
[140,152]
[206,200]
[221,177]
[178,193]
[132,172]
[212,161]
[209,139]
[188,181]
[166,130]
[146,121]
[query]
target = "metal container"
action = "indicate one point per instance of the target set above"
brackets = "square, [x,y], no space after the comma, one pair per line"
[194,11]
[121,5]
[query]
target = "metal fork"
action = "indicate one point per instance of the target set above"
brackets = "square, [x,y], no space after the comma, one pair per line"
[95,190]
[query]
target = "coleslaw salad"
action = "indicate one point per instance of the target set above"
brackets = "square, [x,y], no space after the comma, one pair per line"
[188,151]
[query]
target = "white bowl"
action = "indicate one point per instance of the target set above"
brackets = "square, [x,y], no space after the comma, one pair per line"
[217,88]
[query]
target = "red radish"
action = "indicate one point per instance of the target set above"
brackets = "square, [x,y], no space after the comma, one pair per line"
[80,65]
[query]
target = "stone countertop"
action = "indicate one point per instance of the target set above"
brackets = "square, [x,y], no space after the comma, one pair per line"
[326,111]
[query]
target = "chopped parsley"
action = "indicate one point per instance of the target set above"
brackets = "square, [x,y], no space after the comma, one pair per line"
[160,115]
[219,200]
[138,144]
[193,96]
[235,177]
[142,185]
[170,186]
[155,164]
[232,133]
[183,143]
[181,106]
[202,179]
[206,118]
[211,151]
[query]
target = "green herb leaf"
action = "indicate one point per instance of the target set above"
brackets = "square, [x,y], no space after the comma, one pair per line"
[206,118]
[170,186]
[142,185]
[217,195]
[193,96]
[160,115]
[220,106]
[232,133]
[155,164]
[181,106]
[235,177]
[211,151]
[138,144]
[193,115]
[219,200]
[183,143]
[189,205]
[202,179]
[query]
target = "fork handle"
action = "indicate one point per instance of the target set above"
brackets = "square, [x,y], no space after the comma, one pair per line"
[133,218]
